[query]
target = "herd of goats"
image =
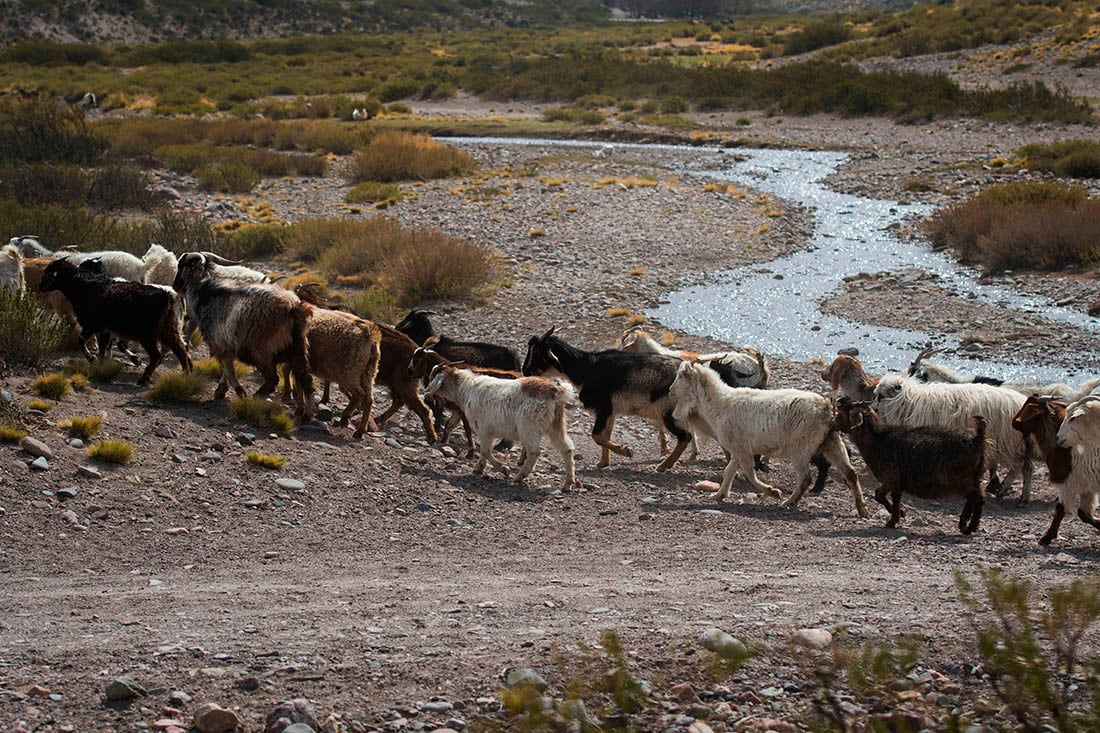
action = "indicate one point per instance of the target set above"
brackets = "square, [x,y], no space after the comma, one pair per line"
[932,433]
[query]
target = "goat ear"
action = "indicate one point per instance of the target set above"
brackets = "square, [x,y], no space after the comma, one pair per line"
[553,359]
[431,341]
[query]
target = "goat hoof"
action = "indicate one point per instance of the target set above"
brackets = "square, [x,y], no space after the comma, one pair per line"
[1022,502]
[603,464]
[716,496]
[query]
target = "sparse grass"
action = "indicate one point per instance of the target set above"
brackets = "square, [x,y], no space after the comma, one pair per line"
[265,460]
[1031,225]
[82,427]
[11,433]
[79,382]
[637,272]
[575,115]
[104,371]
[28,334]
[375,304]
[178,387]
[40,405]
[55,386]
[120,452]
[253,241]
[402,156]
[536,232]
[209,368]
[635,319]
[370,192]
[45,130]
[1070,158]
[618,312]
[919,183]
[262,413]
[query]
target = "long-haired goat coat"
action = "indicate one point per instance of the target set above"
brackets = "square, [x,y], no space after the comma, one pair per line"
[261,325]
[926,462]
[904,401]
[792,424]
[1080,434]
[521,410]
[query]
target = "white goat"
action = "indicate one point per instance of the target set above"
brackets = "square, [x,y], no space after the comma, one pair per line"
[161,264]
[117,263]
[786,423]
[924,371]
[11,269]
[742,367]
[521,410]
[1080,433]
[29,245]
[903,401]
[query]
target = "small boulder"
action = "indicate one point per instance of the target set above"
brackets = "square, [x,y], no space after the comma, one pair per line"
[723,644]
[40,464]
[289,712]
[123,688]
[36,448]
[525,677]
[213,718]
[812,638]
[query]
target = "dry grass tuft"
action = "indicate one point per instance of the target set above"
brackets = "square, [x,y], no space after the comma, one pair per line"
[403,156]
[55,386]
[11,433]
[263,414]
[177,387]
[82,427]
[265,460]
[112,451]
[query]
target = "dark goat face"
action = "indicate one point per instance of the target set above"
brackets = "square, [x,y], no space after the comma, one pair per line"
[56,272]
[849,415]
[92,270]
[191,266]
[540,356]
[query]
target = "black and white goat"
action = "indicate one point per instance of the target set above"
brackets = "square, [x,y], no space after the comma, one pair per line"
[925,371]
[613,383]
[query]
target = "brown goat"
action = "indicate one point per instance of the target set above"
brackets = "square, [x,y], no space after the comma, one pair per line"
[424,359]
[393,371]
[847,376]
[33,270]
[1039,419]
[927,462]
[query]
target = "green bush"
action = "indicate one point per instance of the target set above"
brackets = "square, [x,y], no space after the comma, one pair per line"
[372,192]
[43,130]
[228,176]
[28,334]
[1072,158]
[817,34]
[253,241]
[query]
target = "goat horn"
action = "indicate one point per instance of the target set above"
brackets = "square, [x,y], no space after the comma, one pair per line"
[219,260]
[549,333]
[927,352]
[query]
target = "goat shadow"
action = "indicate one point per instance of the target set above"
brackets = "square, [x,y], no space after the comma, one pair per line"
[489,486]
[753,511]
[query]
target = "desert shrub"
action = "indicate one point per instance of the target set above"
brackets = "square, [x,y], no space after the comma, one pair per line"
[1037,225]
[435,266]
[28,334]
[203,155]
[376,303]
[309,238]
[227,176]
[1072,158]
[401,156]
[177,387]
[918,183]
[253,241]
[83,427]
[57,225]
[673,105]
[817,34]
[574,114]
[1033,656]
[40,405]
[55,386]
[182,231]
[79,382]
[373,191]
[265,460]
[262,413]
[111,451]
[43,130]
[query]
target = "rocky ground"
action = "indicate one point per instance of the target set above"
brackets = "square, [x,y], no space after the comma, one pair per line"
[394,590]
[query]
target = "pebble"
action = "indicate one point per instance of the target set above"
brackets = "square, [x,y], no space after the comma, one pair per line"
[706,486]
[70,516]
[163,431]
[36,447]
[76,443]
[69,492]
[437,706]
[40,464]
[393,443]
[290,484]
[298,728]
[246,439]
[812,638]
[123,688]
[213,718]
[176,531]
[525,677]
[89,471]
[683,692]
[289,712]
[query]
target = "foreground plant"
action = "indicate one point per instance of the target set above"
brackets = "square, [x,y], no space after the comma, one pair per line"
[112,451]
[178,387]
[263,414]
[265,460]
[82,427]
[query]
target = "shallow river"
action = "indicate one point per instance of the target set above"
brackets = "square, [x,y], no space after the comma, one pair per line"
[776,306]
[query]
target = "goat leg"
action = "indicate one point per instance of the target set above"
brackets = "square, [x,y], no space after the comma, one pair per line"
[1088,518]
[895,510]
[1055,522]
[683,438]
[822,464]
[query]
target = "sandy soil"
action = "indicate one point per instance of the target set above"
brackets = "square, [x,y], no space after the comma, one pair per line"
[394,588]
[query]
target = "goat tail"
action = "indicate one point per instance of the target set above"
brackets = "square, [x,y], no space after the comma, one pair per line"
[298,357]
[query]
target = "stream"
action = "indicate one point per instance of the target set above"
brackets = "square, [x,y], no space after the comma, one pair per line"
[776,305]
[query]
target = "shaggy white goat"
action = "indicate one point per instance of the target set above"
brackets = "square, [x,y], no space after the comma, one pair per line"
[786,423]
[11,269]
[903,401]
[29,245]
[521,410]
[1080,433]
[929,372]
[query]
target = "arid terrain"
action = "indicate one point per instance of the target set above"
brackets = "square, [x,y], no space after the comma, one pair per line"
[393,589]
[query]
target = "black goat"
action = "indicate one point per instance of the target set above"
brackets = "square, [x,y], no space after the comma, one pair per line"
[416,326]
[928,462]
[106,308]
[613,383]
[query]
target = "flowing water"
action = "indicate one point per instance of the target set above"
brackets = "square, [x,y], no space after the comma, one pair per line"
[776,306]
